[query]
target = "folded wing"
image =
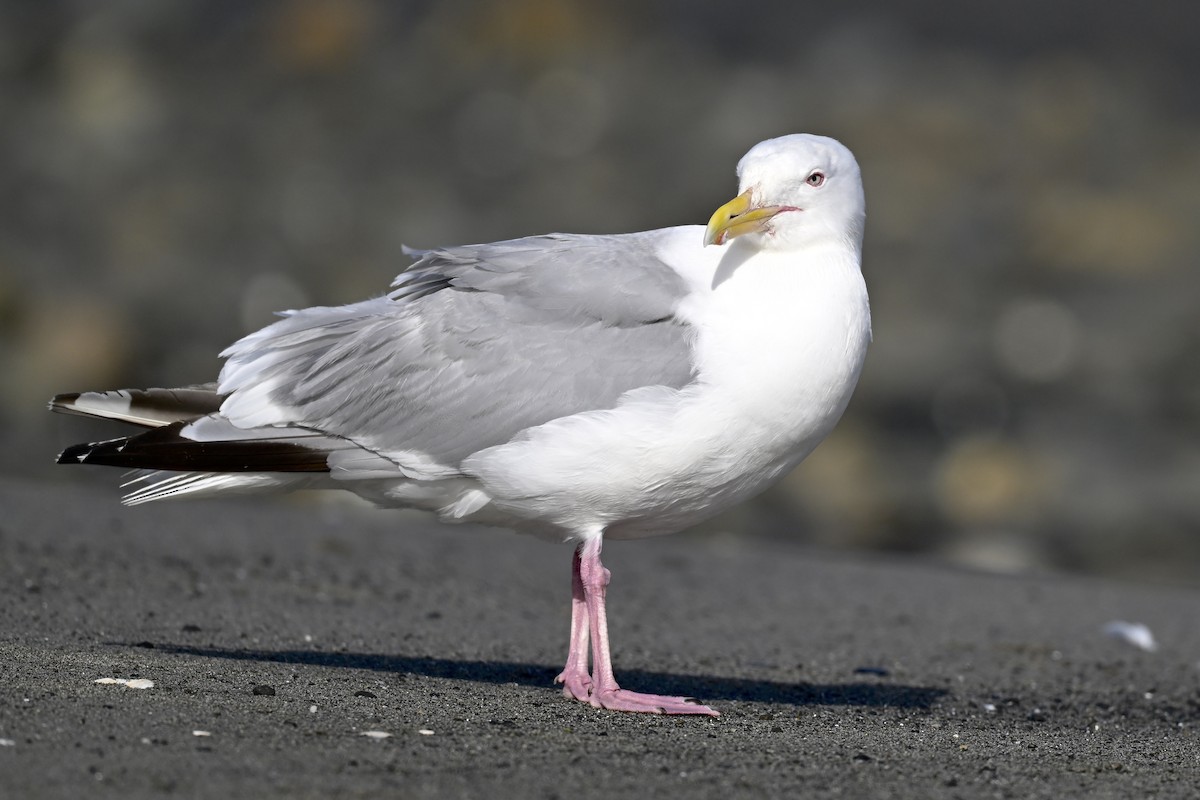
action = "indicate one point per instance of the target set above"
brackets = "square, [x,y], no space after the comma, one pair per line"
[473,345]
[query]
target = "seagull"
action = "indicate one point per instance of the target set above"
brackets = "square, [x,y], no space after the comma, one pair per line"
[576,387]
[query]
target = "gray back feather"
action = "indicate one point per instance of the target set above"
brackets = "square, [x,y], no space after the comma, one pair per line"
[474,344]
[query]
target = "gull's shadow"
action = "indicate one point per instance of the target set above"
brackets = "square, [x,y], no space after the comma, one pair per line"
[704,688]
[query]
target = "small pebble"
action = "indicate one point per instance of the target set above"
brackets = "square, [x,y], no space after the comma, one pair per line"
[376,734]
[134,683]
[201,733]
[264,690]
[7,743]
[1134,633]
[364,693]
[425,732]
[880,671]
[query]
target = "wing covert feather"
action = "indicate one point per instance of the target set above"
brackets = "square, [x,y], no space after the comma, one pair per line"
[473,345]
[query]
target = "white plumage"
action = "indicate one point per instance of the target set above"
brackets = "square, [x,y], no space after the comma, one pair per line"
[577,387]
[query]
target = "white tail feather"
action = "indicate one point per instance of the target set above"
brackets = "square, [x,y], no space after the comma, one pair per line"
[162,485]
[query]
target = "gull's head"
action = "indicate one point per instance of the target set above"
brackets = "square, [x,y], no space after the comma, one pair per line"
[793,191]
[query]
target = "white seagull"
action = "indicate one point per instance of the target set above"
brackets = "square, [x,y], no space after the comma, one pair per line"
[575,387]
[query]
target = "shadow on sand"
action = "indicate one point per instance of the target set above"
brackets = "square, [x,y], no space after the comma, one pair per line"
[705,688]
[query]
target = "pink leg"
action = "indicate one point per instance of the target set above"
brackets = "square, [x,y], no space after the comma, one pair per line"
[604,691]
[576,682]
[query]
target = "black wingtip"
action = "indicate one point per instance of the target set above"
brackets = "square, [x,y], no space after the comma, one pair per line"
[163,448]
[83,453]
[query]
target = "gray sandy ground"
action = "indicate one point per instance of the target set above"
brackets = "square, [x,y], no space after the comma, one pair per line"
[835,676]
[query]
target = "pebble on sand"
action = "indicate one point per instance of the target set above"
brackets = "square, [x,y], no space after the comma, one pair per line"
[132,683]
[1134,633]
[376,734]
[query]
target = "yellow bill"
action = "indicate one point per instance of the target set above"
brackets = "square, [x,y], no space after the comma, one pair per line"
[737,217]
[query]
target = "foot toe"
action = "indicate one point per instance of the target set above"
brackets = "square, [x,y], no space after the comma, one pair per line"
[624,700]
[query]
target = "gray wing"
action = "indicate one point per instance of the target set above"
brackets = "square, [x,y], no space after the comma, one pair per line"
[474,344]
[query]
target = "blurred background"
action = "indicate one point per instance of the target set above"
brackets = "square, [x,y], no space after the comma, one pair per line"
[171,173]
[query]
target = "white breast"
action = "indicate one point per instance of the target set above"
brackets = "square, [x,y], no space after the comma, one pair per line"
[780,343]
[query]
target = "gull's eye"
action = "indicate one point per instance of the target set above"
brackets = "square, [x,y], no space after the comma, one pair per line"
[815,179]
